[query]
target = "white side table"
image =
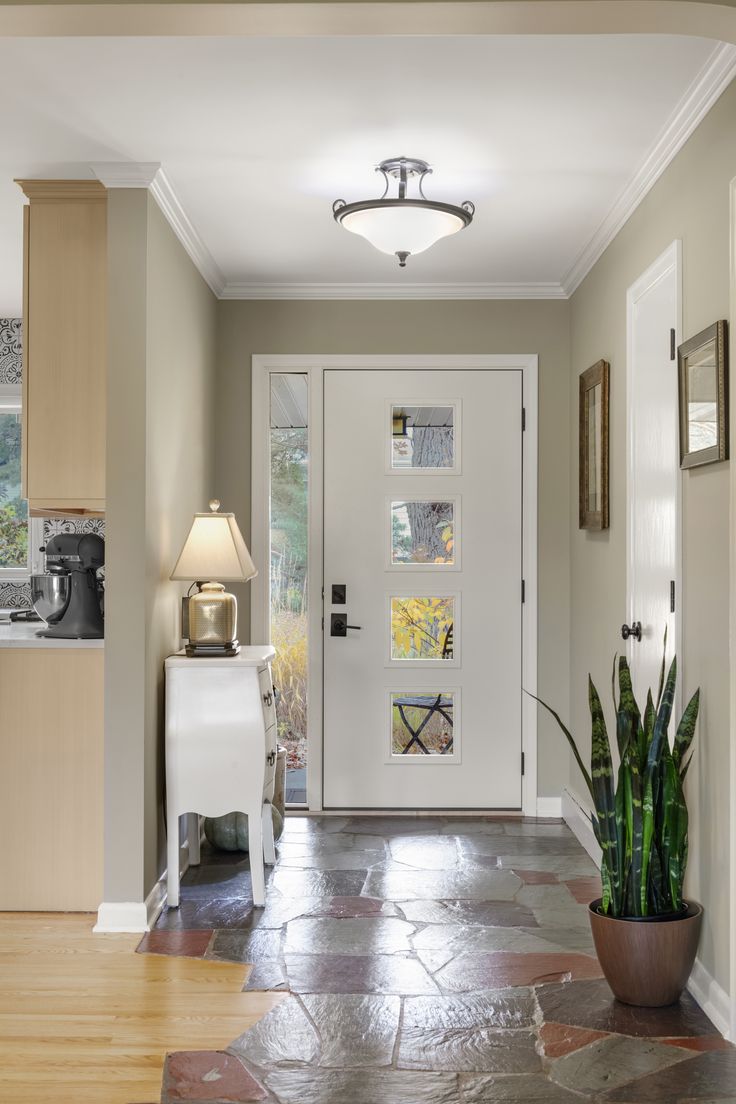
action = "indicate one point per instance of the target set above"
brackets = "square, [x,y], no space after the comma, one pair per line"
[221,752]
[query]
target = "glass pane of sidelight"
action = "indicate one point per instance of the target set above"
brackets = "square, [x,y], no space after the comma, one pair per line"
[13,508]
[422,628]
[422,722]
[422,436]
[422,532]
[289,456]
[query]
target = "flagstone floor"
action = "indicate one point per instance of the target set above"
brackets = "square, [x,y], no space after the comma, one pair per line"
[428,961]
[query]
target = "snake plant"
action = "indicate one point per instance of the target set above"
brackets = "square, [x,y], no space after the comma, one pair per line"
[640,819]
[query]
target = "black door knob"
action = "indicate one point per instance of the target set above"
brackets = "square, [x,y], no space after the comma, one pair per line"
[631,630]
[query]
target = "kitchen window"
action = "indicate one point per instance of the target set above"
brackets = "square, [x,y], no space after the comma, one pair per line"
[20,537]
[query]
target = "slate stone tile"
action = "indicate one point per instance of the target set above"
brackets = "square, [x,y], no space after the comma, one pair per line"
[566,939]
[550,897]
[267,976]
[284,1037]
[332,860]
[591,1004]
[703,1077]
[190,944]
[701,1043]
[205,913]
[536,877]
[234,945]
[363,1087]
[350,906]
[473,827]
[565,846]
[612,1061]
[363,935]
[572,919]
[395,826]
[208,1075]
[564,866]
[584,890]
[481,885]
[441,1017]
[312,883]
[425,853]
[479,862]
[474,1049]
[280,910]
[519,940]
[300,845]
[355,1030]
[389,974]
[426,912]
[467,973]
[434,958]
[557,1040]
[526,1089]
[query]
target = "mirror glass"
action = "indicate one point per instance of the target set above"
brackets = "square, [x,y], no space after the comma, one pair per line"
[702,396]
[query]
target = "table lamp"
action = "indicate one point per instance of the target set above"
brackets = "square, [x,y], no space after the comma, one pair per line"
[214,550]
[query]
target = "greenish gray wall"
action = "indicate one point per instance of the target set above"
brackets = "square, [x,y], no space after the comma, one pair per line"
[163,321]
[689,202]
[440,327]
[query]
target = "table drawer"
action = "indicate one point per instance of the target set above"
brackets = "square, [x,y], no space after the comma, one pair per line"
[268,701]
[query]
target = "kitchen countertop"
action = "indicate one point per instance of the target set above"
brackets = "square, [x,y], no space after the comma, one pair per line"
[22,634]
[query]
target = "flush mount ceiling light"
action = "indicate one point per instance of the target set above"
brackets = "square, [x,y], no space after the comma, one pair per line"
[401,224]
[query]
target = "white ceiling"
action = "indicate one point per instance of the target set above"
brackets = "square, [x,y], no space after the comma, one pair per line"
[257,137]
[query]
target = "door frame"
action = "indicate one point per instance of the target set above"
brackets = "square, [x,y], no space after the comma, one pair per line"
[313,366]
[670,259]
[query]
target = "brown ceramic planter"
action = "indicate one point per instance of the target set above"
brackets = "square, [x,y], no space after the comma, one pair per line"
[647,962]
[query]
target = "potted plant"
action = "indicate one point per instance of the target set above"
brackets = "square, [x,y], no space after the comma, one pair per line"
[645,934]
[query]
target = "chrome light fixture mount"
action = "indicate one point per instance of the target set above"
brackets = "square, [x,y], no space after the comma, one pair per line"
[402,224]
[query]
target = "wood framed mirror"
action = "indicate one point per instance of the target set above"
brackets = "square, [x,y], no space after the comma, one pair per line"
[702,366]
[593,447]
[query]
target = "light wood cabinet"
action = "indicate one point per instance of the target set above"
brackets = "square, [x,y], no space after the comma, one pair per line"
[51,778]
[65,346]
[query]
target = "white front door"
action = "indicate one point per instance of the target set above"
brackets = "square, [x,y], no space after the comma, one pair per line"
[423,541]
[654,470]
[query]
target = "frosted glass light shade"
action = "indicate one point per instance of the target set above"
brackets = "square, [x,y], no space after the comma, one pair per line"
[214,549]
[404,229]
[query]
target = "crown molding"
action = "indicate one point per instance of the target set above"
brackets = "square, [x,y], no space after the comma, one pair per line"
[392,291]
[711,81]
[186,232]
[126,174]
[150,175]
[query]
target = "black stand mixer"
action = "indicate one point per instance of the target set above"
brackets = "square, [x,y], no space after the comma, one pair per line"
[78,555]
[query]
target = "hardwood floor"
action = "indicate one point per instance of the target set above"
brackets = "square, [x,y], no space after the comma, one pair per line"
[86,1020]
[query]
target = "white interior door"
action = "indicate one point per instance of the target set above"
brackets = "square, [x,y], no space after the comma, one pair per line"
[423,529]
[654,470]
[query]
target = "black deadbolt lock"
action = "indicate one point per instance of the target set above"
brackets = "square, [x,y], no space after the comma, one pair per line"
[339,594]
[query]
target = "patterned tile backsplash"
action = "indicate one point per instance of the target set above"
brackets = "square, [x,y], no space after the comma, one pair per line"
[17,595]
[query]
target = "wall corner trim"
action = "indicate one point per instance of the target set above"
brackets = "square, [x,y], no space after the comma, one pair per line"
[121,916]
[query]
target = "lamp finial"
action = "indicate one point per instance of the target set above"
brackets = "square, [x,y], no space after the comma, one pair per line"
[214,505]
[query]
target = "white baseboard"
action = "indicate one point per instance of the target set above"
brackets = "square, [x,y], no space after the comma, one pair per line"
[549,807]
[576,815]
[711,997]
[138,916]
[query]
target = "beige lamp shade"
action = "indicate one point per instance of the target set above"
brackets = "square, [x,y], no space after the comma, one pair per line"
[214,549]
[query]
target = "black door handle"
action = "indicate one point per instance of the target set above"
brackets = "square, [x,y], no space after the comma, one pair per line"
[631,630]
[339,626]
